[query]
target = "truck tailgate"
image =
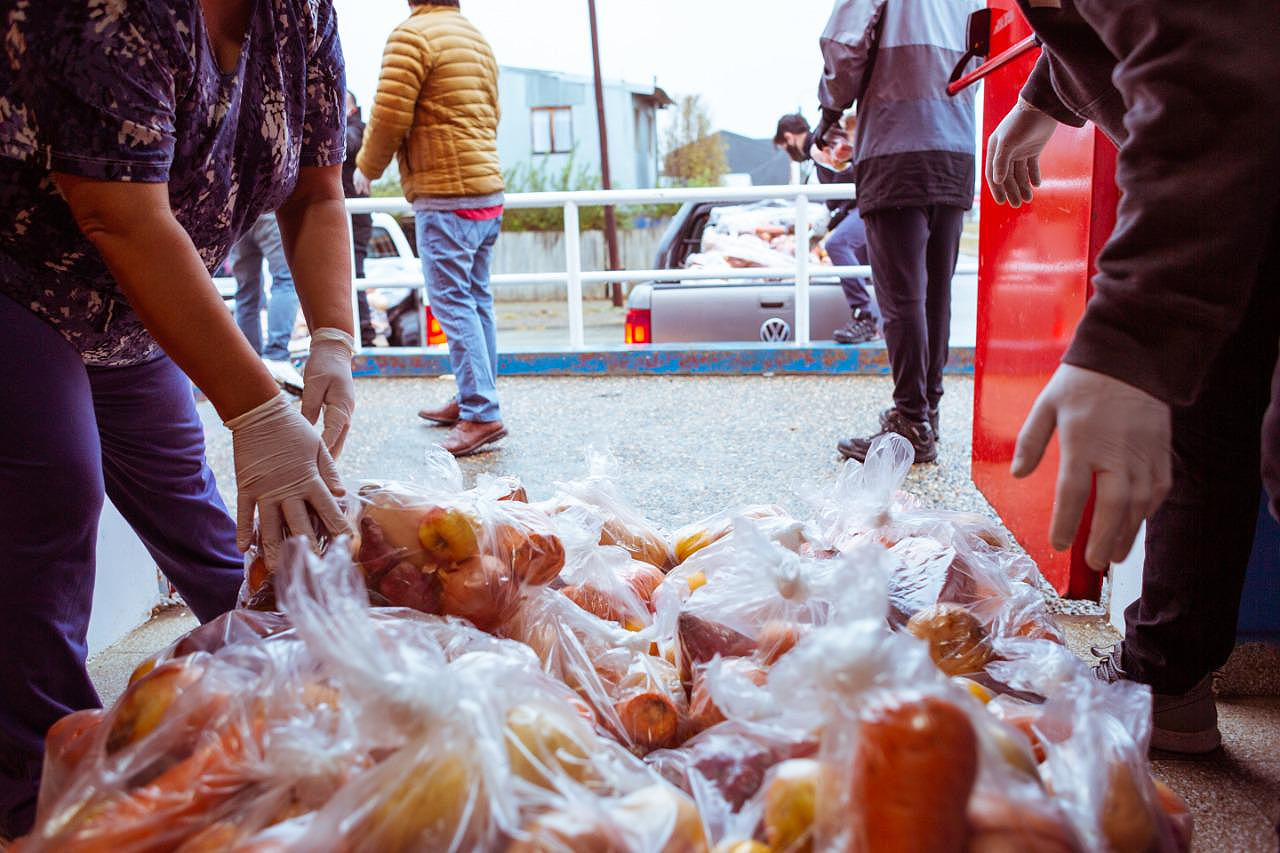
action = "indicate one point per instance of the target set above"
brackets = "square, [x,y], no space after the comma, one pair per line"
[690,313]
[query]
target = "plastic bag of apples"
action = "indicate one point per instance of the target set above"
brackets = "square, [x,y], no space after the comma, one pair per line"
[335,726]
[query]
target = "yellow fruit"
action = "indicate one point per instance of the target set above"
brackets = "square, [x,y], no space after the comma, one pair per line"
[957,641]
[661,805]
[789,805]
[433,796]
[448,535]
[145,704]
[144,669]
[544,742]
[978,692]
[691,540]
[1127,820]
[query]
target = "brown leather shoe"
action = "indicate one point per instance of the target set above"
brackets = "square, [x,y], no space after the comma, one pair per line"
[468,437]
[446,415]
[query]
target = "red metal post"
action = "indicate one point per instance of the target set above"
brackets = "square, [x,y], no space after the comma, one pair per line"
[1035,264]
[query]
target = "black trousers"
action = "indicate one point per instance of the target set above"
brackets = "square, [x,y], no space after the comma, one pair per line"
[1198,543]
[913,258]
[361,231]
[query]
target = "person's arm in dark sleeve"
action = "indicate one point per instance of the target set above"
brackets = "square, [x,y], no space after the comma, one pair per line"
[1200,188]
[847,43]
[1038,91]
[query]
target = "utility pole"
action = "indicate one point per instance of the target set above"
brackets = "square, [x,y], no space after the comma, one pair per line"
[610,222]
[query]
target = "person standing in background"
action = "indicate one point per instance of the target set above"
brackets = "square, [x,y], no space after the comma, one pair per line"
[437,111]
[263,241]
[361,223]
[914,166]
[846,235]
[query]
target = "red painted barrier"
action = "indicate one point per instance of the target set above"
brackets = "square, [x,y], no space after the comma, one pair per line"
[1034,269]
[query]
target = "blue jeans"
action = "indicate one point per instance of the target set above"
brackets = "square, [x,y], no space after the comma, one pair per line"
[455,256]
[69,434]
[261,241]
[847,247]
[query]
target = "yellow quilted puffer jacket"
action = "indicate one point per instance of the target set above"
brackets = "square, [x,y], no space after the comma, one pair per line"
[436,109]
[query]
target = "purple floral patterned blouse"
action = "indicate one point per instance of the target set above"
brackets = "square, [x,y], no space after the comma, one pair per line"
[131,90]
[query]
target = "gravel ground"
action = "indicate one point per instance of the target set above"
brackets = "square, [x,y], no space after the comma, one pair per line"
[685,446]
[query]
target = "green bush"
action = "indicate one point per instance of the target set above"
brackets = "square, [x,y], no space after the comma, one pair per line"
[545,176]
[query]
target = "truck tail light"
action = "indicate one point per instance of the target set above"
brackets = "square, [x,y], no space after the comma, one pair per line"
[435,334]
[639,326]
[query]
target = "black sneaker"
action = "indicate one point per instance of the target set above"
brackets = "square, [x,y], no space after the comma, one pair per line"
[919,433]
[1185,724]
[933,422]
[861,329]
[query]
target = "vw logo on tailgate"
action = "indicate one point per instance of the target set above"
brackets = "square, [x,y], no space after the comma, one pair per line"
[775,329]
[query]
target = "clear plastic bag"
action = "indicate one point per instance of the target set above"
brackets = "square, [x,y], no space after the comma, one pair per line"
[724,767]
[773,521]
[251,734]
[621,523]
[487,741]
[1092,740]
[637,696]
[607,581]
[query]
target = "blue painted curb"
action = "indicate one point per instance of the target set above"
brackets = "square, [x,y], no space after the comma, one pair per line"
[658,360]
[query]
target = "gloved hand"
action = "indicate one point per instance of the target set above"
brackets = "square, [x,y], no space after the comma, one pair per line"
[830,118]
[1013,153]
[281,468]
[1108,429]
[361,183]
[327,385]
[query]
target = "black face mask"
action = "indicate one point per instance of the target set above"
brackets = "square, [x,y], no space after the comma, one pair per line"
[797,152]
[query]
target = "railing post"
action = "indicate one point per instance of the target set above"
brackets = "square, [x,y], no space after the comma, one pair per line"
[802,270]
[573,269]
[355,302]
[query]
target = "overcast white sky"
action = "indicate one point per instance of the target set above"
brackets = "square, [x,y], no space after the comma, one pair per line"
[751,60]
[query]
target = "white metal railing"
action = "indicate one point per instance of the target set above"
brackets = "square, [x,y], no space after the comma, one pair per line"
[574,277]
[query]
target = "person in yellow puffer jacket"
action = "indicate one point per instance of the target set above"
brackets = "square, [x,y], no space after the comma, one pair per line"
[436,111]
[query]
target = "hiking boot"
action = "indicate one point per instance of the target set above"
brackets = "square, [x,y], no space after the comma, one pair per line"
[859,330]
[933,422]
[468,437]
[446,415]
[1186,723]
[919,433]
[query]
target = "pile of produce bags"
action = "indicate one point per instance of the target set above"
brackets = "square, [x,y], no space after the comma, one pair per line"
[761,234]
[472,671]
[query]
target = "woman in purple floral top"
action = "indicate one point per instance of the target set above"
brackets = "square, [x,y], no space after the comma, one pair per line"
[138,138]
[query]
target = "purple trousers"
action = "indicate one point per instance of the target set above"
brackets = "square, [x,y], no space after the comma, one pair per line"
[68,435]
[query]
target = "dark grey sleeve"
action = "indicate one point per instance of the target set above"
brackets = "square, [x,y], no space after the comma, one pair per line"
[847,45]
[1039,92]
[1199,183]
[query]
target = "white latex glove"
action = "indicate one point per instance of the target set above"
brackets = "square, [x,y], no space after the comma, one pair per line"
[327,385]
[361,183]
[1108,429]
[1013,153]
[281,469]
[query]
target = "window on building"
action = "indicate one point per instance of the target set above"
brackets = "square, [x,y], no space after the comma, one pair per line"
[552,130]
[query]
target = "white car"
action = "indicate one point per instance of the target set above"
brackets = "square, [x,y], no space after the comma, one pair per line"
[390,258]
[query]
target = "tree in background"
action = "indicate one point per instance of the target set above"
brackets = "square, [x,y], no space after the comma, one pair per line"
[695,156]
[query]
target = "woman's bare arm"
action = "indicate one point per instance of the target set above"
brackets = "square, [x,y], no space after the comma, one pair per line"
[157,266]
